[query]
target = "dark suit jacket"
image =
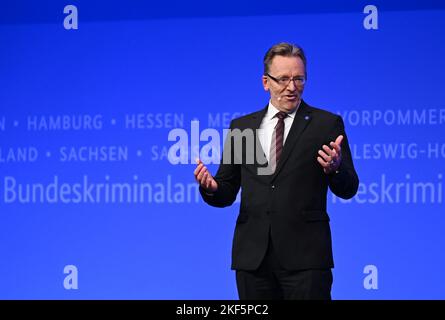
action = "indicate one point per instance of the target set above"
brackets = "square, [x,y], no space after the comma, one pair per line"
[289,206]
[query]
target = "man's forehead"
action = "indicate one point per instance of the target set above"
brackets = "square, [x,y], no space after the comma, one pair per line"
[281,63]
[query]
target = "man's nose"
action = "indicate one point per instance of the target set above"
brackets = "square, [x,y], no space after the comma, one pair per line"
[291,86]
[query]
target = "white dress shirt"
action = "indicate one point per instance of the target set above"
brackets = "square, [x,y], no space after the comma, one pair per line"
[268,124]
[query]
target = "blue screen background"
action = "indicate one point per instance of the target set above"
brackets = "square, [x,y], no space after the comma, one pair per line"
[178,63]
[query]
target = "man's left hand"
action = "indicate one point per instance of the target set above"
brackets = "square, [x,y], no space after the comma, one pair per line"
[330,159]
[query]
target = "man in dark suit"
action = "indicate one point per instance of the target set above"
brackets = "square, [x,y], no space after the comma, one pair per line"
[282,242]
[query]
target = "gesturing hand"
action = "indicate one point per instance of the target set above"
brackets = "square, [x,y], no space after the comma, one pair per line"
[330,159]
[204,178]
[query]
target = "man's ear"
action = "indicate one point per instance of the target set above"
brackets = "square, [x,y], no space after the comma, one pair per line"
[265,83]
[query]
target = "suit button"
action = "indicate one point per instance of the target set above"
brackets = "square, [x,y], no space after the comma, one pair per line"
[272,186]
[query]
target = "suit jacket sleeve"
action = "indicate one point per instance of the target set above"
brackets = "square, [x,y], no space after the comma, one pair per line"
[343,183]
[228,179]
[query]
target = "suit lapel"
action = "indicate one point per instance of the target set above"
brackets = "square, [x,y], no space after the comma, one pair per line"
[257,118]
[301,120]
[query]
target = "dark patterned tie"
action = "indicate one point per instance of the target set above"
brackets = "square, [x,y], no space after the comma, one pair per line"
[277,137]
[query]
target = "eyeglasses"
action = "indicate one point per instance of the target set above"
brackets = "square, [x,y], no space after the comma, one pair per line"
[284,81]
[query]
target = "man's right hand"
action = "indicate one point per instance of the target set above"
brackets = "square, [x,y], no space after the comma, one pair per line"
[204,178]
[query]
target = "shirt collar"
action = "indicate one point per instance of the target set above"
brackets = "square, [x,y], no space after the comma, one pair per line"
[272,111]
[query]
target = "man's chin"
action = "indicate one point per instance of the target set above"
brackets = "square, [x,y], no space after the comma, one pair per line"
[287,104]
[290,105]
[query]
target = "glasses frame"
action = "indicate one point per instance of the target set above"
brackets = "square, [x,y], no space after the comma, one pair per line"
[301,79]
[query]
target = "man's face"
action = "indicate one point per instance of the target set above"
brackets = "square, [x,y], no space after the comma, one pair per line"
[285,97]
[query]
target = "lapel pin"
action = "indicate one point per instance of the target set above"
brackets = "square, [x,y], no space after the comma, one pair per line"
[306,118]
